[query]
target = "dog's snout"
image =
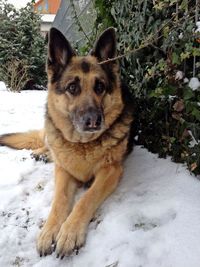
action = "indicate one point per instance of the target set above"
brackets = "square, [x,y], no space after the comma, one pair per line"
[92,120]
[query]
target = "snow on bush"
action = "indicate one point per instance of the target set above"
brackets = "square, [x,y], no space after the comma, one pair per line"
[194,83]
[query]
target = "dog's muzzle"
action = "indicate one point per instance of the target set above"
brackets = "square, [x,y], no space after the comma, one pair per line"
[91,120]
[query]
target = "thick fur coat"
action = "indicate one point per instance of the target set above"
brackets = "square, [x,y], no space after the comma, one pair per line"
[87,132]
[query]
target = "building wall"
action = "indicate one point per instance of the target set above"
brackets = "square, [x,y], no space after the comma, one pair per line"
[53,6]
[48,9]
[47,6]
[45,27]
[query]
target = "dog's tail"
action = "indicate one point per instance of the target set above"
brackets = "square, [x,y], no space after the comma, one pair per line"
[29,140]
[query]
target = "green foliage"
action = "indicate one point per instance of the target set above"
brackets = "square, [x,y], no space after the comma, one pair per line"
[171,126]
[104,17]
[167,110]
[21,41]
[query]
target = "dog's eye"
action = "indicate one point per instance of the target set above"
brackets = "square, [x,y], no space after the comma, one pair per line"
[73,89]
[99,88]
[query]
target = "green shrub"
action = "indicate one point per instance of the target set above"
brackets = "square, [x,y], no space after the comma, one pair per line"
[21,42]
[167,110]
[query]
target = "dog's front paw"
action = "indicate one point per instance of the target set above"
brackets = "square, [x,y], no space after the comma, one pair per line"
[46,239]
[70,238]
[46,157]
[42,154]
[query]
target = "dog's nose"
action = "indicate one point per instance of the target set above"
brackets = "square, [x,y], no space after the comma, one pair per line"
[92,120]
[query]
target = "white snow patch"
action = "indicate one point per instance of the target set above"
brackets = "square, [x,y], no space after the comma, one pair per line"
[194,83]
[2,86]
[198,26]
[179,75]
[151,220]
[180,36]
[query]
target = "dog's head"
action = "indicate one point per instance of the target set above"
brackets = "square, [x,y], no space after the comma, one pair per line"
[81,90]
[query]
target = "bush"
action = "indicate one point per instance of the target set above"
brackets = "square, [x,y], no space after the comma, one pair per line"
[15,74]
[21,45]
[167,113]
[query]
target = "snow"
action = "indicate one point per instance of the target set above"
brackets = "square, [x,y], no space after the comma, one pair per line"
[2,86]
[194,83]
[179,75]
[48,17]
[198,26]
[185,80]
[18,4]
[151,220]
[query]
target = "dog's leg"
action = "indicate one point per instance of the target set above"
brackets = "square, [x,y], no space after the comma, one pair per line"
[65,187]
[72,232]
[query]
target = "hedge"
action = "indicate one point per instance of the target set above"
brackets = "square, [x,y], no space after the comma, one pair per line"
[163,75]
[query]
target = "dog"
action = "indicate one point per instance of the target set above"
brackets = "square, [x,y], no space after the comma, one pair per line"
[88,125]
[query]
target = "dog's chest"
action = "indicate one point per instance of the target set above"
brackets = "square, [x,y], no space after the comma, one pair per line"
[83,161]
[77,159]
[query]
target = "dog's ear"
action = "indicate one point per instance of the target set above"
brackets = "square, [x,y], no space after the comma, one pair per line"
[105,46]
[59,49]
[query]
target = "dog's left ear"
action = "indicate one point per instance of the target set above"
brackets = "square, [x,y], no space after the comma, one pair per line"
[59,49]
[105,46]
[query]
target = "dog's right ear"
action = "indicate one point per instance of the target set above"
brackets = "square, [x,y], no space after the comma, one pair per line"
[105,46]
[59,49]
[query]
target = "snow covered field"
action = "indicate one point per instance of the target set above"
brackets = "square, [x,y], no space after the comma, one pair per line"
[152,220]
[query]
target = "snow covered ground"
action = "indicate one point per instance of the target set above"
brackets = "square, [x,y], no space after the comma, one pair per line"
[152,220]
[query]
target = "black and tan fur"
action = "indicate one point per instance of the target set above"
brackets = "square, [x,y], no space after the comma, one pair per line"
[87,130]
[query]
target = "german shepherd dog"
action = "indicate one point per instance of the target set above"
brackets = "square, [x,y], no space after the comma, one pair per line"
[87,130]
